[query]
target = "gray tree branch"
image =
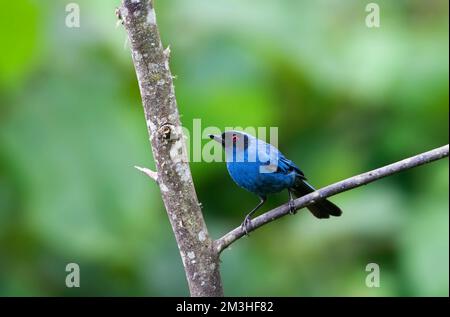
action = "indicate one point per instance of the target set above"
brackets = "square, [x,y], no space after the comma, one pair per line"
[151,62]
[330,190]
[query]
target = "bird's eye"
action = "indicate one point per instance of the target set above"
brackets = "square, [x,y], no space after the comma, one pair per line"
[234,138]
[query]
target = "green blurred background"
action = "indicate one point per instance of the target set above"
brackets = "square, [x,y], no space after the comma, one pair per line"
[346,98]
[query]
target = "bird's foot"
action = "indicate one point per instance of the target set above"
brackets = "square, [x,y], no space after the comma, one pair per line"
[292,209]
[246,225]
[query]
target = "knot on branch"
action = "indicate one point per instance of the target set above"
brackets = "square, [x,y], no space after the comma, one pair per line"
[167,132]
[136,7]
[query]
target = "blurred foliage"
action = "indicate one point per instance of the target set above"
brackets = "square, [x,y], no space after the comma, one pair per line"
[346,99]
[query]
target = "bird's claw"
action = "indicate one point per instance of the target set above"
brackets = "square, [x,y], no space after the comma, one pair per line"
[246,225]
[292,209]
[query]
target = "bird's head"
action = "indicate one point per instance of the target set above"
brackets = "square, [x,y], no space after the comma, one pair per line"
[232,139]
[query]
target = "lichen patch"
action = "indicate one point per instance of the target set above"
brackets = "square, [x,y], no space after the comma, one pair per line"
[151,17]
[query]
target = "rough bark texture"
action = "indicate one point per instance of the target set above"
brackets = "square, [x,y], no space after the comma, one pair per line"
[151,61]
[330,190]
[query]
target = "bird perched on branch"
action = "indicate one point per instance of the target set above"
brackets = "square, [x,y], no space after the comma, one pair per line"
[262,169]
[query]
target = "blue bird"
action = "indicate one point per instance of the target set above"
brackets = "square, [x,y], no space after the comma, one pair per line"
[262,169]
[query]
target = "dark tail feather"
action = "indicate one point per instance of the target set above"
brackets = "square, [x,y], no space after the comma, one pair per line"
[321,209]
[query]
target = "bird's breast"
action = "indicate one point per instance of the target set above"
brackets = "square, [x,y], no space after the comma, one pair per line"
[250,176]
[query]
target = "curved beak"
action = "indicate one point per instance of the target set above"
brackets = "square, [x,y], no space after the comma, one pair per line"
[216,138]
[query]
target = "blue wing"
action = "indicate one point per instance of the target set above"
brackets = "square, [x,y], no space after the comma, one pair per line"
[268,155]
[286,166]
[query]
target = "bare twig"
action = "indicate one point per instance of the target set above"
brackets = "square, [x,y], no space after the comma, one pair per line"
[152,174]
[342,186]
[151,62]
